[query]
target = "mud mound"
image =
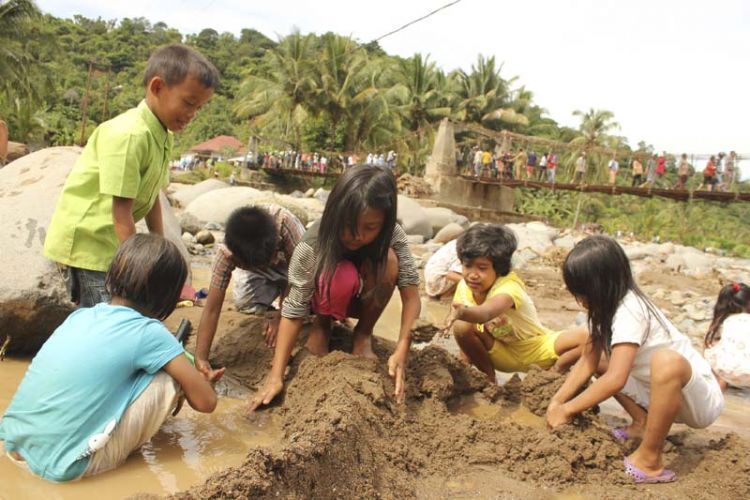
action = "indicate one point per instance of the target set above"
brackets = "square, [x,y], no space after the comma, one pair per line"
[538,387]
[346,437]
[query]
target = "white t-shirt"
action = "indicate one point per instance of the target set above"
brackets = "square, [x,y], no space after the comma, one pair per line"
[633,324]
[442,262]
[613,165]
[730,357]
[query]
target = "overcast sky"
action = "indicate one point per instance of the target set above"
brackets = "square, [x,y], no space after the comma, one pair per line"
[675,73]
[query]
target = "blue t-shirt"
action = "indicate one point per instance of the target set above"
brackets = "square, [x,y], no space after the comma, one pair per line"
[86,375]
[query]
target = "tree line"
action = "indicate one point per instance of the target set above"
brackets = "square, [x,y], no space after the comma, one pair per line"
[309,92]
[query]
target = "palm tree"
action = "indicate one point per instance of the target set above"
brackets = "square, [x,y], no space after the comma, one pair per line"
[344,81]
[595,126]
[277,95]
[421,89]
[15,17]
[483,96]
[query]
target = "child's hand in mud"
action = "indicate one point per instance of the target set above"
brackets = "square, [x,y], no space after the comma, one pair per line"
[397,370]
[556,415]
[453,316]
[271,327]
[271,389]
[211,375]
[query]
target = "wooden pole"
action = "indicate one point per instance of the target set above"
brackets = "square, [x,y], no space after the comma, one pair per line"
[105,109]
[85,105]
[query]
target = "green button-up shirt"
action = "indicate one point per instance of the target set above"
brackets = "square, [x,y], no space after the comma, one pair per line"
[127,157]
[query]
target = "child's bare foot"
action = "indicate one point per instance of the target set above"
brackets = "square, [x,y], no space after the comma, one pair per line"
[362,346]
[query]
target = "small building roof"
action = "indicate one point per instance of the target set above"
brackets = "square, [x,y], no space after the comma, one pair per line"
[218,144]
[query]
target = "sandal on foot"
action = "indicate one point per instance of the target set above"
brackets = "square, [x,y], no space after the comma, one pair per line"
[640,477]
[620,434]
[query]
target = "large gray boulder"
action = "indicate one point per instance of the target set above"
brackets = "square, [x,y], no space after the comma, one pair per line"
[449,233]
[413,217]
[215,206]
[33,300]
[185,195]
[441,217]
[172,229]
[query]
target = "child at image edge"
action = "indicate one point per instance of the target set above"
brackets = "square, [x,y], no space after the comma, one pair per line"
[728,339]
[118,177]
[639,356]
[494,320]
[108,377]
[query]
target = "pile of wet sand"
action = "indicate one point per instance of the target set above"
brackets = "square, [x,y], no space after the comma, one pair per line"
[346,437]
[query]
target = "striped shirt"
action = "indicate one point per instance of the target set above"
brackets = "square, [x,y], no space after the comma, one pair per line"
[290,231]
[304,261]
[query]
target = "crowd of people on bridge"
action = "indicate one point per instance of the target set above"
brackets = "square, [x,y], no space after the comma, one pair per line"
[317,162]
[720,173]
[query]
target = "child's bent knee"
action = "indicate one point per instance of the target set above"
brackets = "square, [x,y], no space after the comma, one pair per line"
[463,329]
[667,365]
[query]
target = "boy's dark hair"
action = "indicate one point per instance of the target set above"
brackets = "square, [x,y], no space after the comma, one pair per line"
[148,271]
[494,241]
[598,271]
[733,298]
[251,236]
[358,188]
[174,63]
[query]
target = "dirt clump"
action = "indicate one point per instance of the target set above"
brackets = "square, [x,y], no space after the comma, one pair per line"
[424,331]
[345,436]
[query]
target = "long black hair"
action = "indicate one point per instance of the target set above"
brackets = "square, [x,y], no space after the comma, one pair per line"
[598,271]
[733,298]
[359,188]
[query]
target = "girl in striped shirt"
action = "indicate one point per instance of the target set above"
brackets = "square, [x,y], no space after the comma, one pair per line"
[347,266]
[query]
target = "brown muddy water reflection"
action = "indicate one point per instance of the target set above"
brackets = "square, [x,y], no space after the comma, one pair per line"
[185,451]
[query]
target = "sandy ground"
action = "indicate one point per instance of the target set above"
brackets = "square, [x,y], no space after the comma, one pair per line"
[456,436]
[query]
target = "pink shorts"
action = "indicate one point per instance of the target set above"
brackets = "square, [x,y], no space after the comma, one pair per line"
[338,302]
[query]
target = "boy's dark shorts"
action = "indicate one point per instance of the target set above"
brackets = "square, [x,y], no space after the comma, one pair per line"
[85,287]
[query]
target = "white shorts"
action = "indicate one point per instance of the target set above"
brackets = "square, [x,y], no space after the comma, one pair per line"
[702,399]
[138,424]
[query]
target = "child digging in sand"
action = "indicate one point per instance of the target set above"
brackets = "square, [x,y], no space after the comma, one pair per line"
[109,376]
[259,242]
[728,339]
[494,320]
[348,265]
[640,358]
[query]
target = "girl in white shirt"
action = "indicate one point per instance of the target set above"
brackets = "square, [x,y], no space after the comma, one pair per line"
[639,356]
[728,339]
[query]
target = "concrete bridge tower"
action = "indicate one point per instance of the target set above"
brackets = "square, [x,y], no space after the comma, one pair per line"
[442,173]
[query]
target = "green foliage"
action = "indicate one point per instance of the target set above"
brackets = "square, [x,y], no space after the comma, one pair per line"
[698,223]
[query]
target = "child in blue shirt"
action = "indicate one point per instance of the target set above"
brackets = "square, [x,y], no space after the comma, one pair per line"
[107,378]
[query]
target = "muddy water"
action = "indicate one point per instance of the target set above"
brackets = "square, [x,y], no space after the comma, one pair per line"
[191,446]
[185,451]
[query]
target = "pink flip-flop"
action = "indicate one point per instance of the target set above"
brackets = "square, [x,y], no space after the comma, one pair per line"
[640,477]
[621,434]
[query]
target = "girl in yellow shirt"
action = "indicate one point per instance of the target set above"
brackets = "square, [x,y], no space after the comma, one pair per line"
[493,319]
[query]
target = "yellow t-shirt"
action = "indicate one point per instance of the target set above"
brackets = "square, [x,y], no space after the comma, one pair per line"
[518,323]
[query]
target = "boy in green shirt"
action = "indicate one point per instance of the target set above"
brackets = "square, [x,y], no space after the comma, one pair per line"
[117,179]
